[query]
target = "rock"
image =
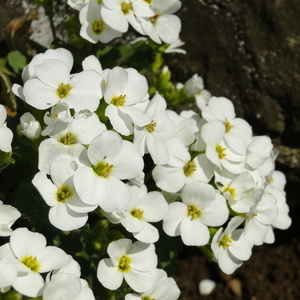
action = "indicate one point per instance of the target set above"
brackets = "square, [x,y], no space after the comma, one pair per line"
[249,52]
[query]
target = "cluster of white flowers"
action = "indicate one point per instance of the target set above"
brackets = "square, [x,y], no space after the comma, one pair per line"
[105,20]
[26,257]
[215,183]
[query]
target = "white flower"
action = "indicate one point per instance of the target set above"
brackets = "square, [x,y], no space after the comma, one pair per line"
[201,207]
[263,213]
[111,161]
[67,211]
[118,14]
[181,168]
[240,190]
[28,251]
[8,216]
[126,94]
[134,262]
[258,151]
[93,27]
[151,137]
[6,134]
[231,246]
[164,288]
[283,220]
[219,152]
[69,138]
[30,127]
[144,208]
[238,133]
[162,26]
[53,83]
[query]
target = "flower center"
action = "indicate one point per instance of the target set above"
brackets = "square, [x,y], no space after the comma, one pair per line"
[189,168]
[102,169]
[193,211]
[98,27]
[124,264]
[228,126]
[137,213]
[126,8]
[63,90]
[31,263]
[225,242]
[147,298]
[148,1]
[231,191]
[118,101]
[68,139]
[64,193]
[220,150]
[151,126]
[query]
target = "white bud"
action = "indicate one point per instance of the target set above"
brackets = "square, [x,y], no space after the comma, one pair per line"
[31,128]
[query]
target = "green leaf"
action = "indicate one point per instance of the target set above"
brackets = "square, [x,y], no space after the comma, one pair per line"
[11,295]
[16,60]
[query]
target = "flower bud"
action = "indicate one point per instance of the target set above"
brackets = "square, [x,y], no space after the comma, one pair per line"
[31,128]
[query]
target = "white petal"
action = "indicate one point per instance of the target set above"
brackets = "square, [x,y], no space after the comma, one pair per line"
[176,213]
[108,275]
[30,285]
[194,232]
[24,242]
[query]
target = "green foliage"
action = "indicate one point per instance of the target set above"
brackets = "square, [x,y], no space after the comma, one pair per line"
[16,60]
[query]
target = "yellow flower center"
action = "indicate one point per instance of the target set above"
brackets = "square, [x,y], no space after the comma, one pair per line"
[126,8]
[151,126]
[148,1]
[98,27]
[68,139]
[118,101]
[225,242]
[189,168]
[221,151]
[124,264]
[147,298]
[31,263]
[63,90]
[193,211]
[231,191]
[64,193]
[102,169]
[137,213]
[228,126]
